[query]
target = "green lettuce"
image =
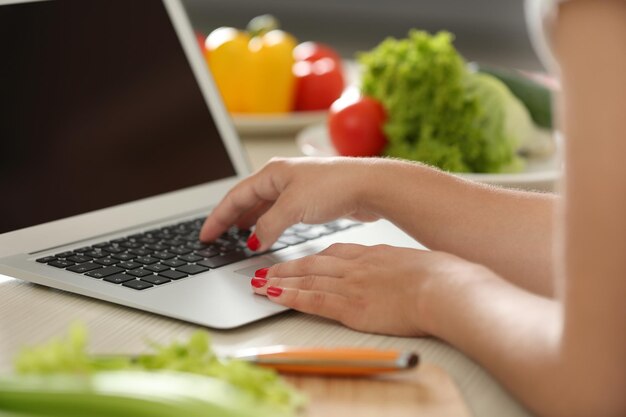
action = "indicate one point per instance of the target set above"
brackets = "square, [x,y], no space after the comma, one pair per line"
[440,113]
[69,356]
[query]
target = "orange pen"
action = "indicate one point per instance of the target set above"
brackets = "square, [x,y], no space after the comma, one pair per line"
[329,361]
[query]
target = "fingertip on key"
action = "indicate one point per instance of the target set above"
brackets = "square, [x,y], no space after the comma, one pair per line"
[253,242]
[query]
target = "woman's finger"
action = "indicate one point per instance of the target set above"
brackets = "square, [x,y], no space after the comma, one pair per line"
[249,219]
[307,282]
[310,265]
[344,250]
[285,212]
[243,197]
[324,304]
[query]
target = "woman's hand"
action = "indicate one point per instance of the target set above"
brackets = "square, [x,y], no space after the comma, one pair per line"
[289,191]
[378,289]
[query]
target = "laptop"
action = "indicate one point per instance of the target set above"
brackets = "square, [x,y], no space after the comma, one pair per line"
[114,147]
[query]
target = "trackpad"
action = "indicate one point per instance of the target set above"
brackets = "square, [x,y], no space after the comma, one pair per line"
[277,257]
[249,271]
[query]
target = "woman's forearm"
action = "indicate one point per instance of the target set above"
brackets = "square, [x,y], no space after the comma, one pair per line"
[518,337]
[509,231]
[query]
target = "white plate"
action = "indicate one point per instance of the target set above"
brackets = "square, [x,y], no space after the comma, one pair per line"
[539,174]
[276,124]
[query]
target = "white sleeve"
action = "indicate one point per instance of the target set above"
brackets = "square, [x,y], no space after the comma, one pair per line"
[539,17]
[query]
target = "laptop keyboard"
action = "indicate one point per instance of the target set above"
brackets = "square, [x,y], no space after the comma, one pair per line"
[170,253]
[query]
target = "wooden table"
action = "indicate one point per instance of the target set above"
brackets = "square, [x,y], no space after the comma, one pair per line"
[31,314]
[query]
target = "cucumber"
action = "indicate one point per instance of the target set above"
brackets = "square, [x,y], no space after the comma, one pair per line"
[536,97]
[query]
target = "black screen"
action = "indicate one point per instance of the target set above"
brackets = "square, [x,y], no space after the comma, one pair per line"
[98,106]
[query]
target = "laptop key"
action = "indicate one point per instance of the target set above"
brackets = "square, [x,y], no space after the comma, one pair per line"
[118,278]
[341,224]
[192,237]
[64,254]
[61,263]
[156,280]
[82,268]
[223,250]
[46,259]
[222,260]
[82,250]
[139,272]
[163,255]
[104,272]
[157,247]
[146,260]
[173,242]
[190,258]
[131,245]
[196,245]
[140,251]
[123,256]
[171,274]
[300,227]
[291,240]
[309,234]
[277,246]
[207,253]
[157,268]
[129,265]
[180,251]
[106,261]
[79,259]
[174,263]
[113,249]
[97,253]
[192,269]
[137,284]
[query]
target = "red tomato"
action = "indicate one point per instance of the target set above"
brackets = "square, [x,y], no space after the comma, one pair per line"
[201,37]
[312,51]
[318,84]
[355,125]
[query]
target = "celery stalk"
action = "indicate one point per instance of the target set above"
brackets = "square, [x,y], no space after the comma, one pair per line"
[126,394]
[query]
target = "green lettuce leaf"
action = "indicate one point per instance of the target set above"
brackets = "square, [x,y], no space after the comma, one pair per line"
[438,112]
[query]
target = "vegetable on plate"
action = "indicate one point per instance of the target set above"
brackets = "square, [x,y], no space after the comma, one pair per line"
[444,113]
[253,69]
[264,70]
[355,125]
[537,97]
[319,76]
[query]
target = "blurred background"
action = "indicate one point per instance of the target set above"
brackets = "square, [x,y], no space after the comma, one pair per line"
[487,31]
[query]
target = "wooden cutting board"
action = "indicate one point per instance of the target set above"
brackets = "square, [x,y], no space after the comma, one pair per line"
[426,391]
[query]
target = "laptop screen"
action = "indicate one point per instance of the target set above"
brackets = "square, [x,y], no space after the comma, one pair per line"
[98,106]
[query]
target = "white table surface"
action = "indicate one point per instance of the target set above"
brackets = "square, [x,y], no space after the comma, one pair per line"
[31,314]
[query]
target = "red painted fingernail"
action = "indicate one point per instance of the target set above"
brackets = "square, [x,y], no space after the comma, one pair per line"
[261,273]
[274,291]
[258,282]
[253,242]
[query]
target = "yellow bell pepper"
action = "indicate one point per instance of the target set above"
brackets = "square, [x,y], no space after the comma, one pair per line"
[253,73]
